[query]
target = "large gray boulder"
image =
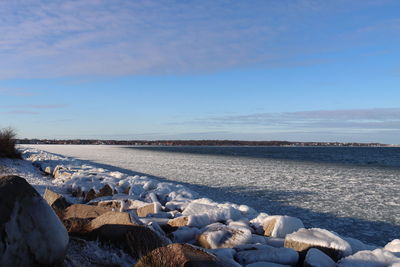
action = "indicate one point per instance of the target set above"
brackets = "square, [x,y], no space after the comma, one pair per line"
[31,234]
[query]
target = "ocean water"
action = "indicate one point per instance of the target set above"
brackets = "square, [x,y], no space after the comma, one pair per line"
[352,191]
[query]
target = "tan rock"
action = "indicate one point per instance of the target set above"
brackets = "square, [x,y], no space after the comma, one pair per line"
[178,255]
[147,209]
[269,227]
[84,211]
[48,170]
[77,216]
[111,217]
[179,222]
[112,204]
[56,201]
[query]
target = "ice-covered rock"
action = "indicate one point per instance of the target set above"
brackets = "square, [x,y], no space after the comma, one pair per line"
[285,256]
[316,258]
[204,214]
[178,255]
[218,235]
[258,222]
[367,258]
[328,242]
[394,246]
[30,232]
[280,226]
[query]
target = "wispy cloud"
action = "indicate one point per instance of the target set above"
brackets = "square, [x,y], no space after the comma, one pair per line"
[29,109]
[17,92]
[98,37]
[19,112]
[378,119]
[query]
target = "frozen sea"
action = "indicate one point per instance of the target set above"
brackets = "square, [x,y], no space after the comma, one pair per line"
[352,191]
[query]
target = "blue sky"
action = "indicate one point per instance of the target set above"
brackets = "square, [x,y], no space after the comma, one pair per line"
[253,70]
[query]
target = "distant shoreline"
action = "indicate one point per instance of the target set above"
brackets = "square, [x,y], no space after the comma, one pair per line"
[199,143]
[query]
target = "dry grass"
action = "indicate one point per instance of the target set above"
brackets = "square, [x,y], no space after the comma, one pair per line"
[7,144]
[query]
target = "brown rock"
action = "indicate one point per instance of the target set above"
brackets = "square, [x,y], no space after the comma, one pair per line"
[111,217]
[105,191]
[84,211]
[111,204]
[89,195]
[56,201]
[77,216]
[147,209]
[179,221]
[178,255]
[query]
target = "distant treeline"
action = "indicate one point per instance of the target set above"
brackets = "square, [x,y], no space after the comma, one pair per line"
[189,142]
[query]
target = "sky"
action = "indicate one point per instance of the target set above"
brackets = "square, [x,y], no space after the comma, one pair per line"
[298,70]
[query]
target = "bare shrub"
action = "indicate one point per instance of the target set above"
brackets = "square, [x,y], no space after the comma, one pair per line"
[7,144]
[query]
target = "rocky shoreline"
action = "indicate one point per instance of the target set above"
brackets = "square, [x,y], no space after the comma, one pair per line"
[142,221]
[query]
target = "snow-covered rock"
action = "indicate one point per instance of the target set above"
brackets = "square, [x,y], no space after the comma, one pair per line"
[316,258]
[285,256]
[31,233]
[367,258]
[328,242]
[280,226]
[394,246]
[203,213]
[218,235]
